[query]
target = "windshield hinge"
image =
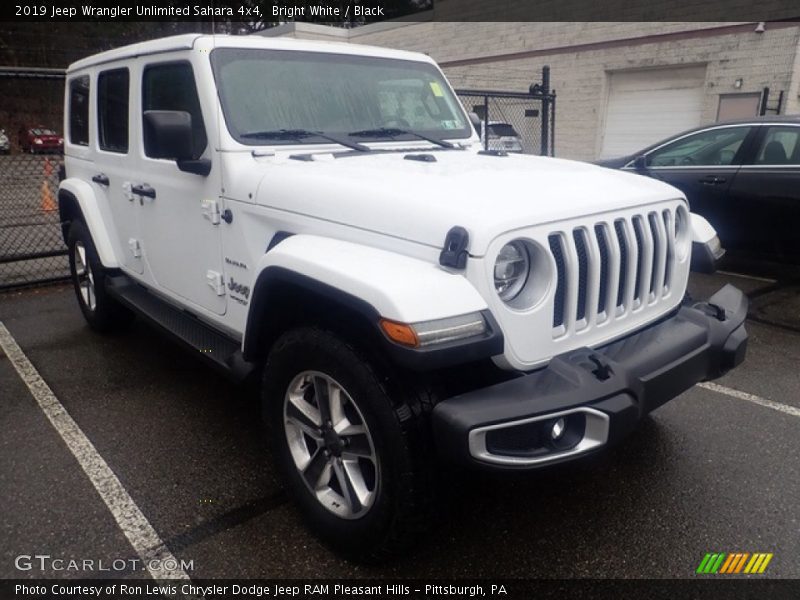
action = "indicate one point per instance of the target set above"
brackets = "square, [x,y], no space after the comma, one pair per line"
[454,253]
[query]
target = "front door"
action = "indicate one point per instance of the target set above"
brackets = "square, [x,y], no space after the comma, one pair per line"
[179,227]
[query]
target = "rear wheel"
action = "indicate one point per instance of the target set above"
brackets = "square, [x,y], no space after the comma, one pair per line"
[100,310]
[354,455]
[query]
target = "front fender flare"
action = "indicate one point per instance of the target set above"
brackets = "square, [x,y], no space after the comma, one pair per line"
[371,282]
[399,287]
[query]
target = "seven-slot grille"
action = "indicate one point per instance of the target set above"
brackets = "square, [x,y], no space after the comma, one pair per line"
[607,270]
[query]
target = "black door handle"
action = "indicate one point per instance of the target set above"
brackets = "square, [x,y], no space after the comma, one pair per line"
[101,179]
[712,180]
[144,190]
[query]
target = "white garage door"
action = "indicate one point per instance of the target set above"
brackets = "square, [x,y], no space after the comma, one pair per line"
[647,106]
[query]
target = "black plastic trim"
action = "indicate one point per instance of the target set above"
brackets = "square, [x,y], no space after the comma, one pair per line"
[704,260]
[420,157]
[270,285]
[454,251]
[278,238]
[626,379]
[68,209]
[214,347]
[199,166]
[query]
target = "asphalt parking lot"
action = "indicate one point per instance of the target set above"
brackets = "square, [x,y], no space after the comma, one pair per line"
[715,470]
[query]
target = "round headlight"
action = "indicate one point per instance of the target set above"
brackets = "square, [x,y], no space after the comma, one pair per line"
[511,270]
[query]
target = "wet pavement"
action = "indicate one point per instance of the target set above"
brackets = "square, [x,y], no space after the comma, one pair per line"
[708,472]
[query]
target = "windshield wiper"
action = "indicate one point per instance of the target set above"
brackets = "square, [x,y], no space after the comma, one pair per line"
[301,134]
[392,132]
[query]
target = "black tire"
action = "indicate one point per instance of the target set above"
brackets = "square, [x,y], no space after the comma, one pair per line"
[397,424]
[102,312]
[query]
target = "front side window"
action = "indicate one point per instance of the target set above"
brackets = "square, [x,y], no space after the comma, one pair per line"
[781,146]
[171,86]
[716,147]
[79,111]
[266,91]
[112,110]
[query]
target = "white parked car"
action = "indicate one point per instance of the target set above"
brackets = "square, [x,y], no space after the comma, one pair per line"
[502,136]
[323,217]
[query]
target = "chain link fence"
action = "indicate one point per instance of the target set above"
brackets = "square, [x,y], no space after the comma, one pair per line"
[31,247]
[522,122]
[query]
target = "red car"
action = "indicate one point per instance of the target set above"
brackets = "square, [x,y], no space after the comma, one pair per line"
[40,139]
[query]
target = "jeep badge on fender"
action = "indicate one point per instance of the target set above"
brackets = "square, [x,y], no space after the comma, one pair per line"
[406,301]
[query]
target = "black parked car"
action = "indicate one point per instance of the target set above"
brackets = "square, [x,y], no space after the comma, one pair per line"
[743,176]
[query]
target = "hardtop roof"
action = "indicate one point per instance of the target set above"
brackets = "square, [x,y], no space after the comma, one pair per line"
[208,42]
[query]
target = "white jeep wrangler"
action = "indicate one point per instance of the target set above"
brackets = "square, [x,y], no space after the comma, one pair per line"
[322,216]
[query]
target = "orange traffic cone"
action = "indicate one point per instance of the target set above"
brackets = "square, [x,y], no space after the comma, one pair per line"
[48,202]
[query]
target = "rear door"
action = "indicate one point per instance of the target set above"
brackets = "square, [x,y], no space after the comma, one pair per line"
[113,159]
[703,166]
[766,195]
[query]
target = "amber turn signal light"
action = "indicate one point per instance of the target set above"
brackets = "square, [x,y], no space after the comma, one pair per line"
[400,333]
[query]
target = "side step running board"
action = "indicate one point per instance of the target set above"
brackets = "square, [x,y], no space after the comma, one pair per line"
[215,348]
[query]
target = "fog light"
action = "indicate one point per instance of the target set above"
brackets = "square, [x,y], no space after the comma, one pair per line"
[558,429]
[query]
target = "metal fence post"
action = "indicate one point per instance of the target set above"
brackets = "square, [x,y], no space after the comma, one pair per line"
[553,124]
[485,128]
[545,110]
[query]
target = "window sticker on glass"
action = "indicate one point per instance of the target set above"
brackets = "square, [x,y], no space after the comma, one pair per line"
[437,89]
[449,124]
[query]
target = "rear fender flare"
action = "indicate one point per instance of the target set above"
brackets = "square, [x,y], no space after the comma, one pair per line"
[76,199]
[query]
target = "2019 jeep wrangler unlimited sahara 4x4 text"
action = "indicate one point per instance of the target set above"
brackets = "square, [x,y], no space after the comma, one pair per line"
[321,216]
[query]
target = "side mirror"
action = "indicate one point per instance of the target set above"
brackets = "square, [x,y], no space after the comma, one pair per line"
[640,163]
[168,134]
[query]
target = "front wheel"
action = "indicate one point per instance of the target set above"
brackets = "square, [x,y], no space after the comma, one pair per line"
[353,454]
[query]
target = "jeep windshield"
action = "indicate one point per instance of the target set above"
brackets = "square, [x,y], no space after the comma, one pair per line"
[327,96]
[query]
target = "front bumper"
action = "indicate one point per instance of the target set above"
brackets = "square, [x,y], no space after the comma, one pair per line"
[592,397]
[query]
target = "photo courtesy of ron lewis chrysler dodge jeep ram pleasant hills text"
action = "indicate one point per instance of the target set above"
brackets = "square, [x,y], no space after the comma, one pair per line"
[322,217]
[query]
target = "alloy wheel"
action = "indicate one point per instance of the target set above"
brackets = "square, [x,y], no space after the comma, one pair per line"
[331,445]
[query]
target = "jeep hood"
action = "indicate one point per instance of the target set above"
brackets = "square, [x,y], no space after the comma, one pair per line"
[420,200]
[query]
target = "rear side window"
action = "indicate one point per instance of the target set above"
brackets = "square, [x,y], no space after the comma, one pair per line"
[112,110]
[781,146]
[171,86]
[79,111]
